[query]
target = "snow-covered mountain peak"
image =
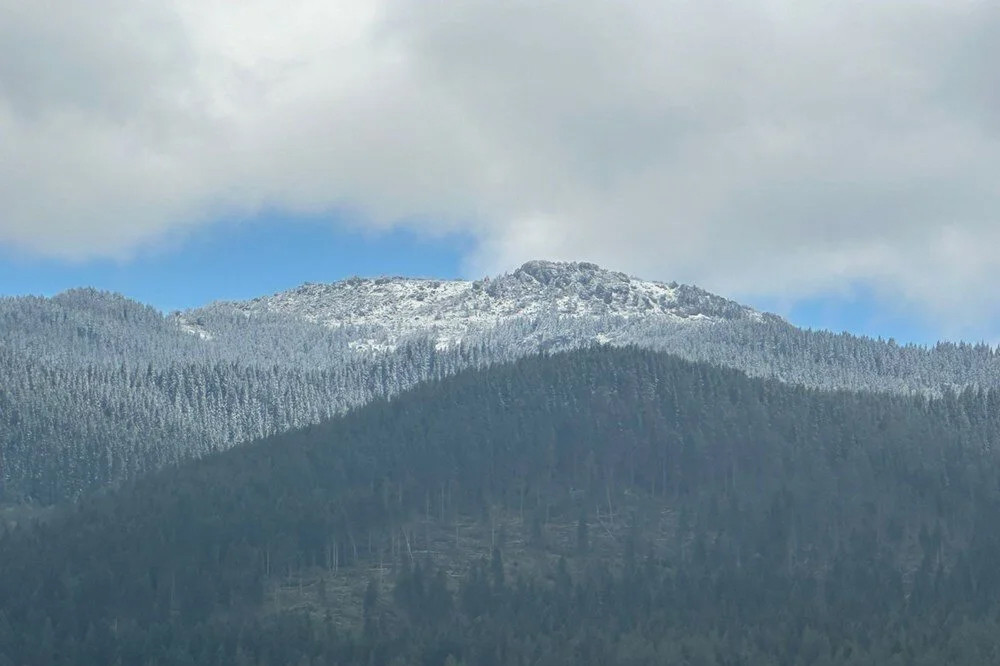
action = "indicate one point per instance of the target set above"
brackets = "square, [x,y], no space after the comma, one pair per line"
[449,309]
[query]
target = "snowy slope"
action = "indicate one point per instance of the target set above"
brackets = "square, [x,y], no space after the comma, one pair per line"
[389,309]
[97,388]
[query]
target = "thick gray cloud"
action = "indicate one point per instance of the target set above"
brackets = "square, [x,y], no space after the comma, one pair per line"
[775,148]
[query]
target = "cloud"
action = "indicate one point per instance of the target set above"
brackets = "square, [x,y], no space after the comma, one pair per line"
[772,148]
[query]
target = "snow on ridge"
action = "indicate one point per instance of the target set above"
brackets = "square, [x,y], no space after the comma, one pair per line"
[449,309]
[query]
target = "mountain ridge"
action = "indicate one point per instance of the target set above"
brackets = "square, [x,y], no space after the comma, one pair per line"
[451,309]
[99,388]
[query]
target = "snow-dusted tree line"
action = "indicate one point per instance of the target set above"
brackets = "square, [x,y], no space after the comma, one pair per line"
[96,388]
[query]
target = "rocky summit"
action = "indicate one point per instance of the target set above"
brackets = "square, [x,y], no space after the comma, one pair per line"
[391,308]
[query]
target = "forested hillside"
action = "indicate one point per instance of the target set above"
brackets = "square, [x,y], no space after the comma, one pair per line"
[592,507]
[96,389]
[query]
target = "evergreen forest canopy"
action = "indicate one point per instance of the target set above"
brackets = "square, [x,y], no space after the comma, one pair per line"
[600,506]
[96,389]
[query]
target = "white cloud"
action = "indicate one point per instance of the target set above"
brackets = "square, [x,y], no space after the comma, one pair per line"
[779,147]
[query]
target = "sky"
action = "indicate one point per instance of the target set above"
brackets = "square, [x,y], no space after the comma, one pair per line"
[241,259]
[836,163]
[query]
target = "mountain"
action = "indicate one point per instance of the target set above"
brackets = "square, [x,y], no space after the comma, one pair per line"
[98,388]
[397,308]
[591,507]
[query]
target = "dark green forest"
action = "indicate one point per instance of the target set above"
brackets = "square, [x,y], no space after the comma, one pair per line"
[604,506]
